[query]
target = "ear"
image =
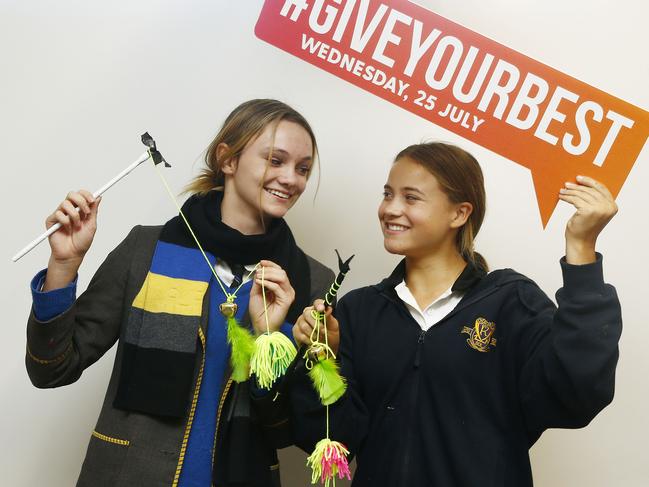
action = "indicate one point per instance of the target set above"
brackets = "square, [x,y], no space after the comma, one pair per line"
[462,213]
[228,166]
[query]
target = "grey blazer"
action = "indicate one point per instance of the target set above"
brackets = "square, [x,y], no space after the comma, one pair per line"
[126,448]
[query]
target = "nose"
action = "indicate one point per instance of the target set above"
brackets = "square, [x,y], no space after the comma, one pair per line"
[287,175]
[390,208]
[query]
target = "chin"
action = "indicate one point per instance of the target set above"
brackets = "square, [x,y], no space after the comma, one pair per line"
[392,248]
[275,212]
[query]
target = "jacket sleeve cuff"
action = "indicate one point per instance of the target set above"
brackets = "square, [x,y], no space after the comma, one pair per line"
[50,304]
[287,329]
[585,277]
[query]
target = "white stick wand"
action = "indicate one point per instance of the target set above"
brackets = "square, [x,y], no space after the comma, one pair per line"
[152,152]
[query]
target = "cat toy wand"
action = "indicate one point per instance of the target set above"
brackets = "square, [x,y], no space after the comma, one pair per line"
[343,269]
[151,153]
[329,457]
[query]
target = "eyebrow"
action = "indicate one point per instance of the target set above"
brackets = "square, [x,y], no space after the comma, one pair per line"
[414,190]
[284,153]
[407,188]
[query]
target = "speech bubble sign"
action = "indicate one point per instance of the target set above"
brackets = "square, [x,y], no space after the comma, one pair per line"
[551,123]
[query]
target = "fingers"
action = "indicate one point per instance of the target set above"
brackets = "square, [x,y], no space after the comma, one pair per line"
[320,306]
[591,187]
[274,274]
[268,263]
[269,285]
[77,206]
[274,278]
[307,316]
[595,185]
[573,200]
[68,208]
[94,207]
[58,217]
[589,194]
[302,332]
[82,200]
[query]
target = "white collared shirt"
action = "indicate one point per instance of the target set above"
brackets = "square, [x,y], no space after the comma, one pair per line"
[225,273]
[435,311]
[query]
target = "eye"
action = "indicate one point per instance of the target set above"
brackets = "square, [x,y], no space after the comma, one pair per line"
[275,161]
[411,197]
[304,170]
[386,195]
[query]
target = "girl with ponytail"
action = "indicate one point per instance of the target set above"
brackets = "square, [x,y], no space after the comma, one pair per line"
[453,371]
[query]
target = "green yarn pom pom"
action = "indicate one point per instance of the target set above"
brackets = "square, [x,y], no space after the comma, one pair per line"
[273,353]
[243,346]
[327,381]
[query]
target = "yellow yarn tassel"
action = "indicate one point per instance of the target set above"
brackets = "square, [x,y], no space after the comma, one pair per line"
[273,353]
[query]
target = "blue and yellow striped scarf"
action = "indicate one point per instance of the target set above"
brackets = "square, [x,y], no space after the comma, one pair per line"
[160,342]
[159,349]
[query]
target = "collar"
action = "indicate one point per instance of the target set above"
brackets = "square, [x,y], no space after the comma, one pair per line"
[469,276]
[407,297]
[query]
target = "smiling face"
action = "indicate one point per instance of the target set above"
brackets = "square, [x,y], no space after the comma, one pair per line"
[255,187]
[417,218]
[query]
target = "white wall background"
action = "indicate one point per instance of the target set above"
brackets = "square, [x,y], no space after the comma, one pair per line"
[81,80]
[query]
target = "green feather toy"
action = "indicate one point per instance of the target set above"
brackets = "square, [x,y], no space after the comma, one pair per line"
[327,380]
[241,342]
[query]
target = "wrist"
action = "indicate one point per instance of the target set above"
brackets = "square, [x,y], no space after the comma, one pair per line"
[65,264]
[261,328]
[580,251]
[60,272]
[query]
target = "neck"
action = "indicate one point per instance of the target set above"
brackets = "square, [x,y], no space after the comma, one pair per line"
[243,218]
[428,276]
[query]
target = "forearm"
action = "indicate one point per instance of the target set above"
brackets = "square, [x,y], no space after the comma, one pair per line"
[60,274]
[570,353]
[580,251]
[60,349]
[51,359]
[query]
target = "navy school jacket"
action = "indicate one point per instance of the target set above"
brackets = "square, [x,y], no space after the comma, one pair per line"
[462,403]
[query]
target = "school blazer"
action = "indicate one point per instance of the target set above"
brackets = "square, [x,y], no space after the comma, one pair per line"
[128,448]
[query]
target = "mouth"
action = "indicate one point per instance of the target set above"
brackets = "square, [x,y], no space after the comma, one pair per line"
[282,195]
[394,229]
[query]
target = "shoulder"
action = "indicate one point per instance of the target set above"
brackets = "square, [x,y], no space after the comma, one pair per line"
[140,243]
[519,288]
[320,273]
[359,297]
[145,233]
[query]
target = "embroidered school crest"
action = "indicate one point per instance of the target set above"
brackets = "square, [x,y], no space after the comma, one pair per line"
[481,335]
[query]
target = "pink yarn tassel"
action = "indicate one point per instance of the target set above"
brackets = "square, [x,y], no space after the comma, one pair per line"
[334,462]
[329,458]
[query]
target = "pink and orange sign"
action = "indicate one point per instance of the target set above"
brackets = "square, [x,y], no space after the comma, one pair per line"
[524,110]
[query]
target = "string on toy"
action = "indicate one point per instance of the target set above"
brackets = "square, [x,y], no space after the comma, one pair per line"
[329,458]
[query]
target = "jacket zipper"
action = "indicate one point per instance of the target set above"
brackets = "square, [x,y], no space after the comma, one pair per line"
[224,394]
[413,405]
[192,410]
[420,340]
